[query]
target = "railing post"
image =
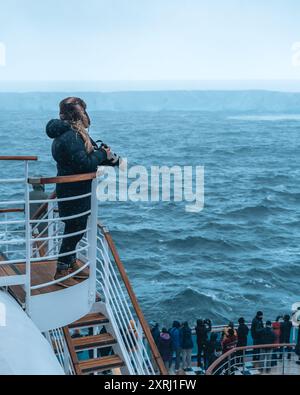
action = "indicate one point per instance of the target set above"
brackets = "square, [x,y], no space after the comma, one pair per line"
[229,365]
[92,240]
[27,241]
[140,337]
[283,361]
[51,229]
[244,357]
[6,232]
[106,270]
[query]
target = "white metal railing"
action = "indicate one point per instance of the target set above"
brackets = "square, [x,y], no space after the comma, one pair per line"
[25,240]
[59,345]
[124,322]
[276,359]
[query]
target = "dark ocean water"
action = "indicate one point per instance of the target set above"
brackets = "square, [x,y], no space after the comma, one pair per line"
[241,253]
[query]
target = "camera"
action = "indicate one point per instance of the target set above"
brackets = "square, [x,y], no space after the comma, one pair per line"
[112,158]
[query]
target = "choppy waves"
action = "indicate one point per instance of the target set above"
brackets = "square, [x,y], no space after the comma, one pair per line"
[242,252]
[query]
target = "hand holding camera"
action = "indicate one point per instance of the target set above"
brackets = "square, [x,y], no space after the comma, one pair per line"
[112,158]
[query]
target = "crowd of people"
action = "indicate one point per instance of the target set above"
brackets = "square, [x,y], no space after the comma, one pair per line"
[176,344]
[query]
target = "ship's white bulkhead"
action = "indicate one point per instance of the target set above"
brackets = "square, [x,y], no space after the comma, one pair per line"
[23,348]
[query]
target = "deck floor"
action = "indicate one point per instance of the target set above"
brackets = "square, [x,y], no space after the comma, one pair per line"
[41,273]
[290,368]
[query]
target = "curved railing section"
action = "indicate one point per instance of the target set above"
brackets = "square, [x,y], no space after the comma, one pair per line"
[274,359]
[12,220]
[27,238]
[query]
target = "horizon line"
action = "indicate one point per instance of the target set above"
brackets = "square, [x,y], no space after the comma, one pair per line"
[114,86]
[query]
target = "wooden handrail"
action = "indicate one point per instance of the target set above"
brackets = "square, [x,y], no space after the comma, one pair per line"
[19,158]
[11,210]
[72,351]
[218,362]
[62,179]
[134,301]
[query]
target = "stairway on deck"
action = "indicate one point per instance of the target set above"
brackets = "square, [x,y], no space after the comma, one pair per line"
[90,335]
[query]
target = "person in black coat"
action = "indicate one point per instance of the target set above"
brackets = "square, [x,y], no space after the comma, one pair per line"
[203,328]
[242,333]
[75,153]
[285,333]
[155,332]
[268,337]
[213,350]
[257,329]
[165,347]
[187,345]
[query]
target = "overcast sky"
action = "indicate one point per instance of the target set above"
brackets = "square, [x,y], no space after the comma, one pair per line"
[149,39]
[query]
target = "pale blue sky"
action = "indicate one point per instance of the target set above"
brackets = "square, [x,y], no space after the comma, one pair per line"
[149,39]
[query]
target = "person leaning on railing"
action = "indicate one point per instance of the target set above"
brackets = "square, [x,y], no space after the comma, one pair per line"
[257,328]
[75,153]
[269,338]
[229,342]
[242,334]
[285,333]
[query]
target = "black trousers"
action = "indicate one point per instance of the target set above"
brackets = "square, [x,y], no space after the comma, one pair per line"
[70,243]
[201,353]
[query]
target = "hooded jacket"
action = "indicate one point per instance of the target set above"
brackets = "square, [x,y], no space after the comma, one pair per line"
[68,150]
[165,346]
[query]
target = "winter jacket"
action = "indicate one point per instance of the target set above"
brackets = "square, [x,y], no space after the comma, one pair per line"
[257,328]
[69,152]
[285,331]
[202,332]
[175,336]
[155,333]
[186,338]
[277,331]
[242,333]
[268,336]
[228,343]
[165,346]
